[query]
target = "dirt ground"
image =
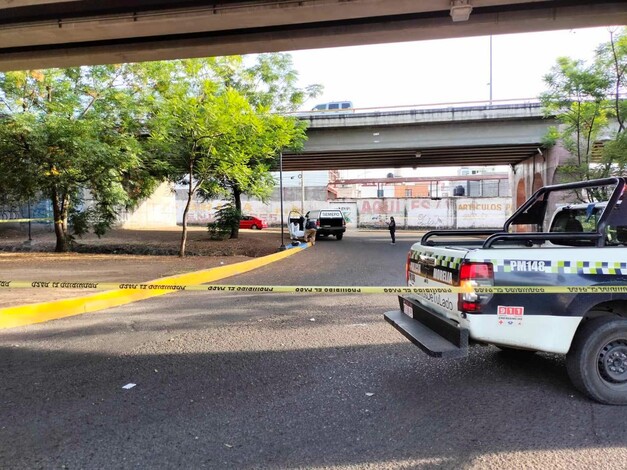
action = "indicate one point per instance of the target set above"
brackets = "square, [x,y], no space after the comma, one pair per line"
[119,256]
[166,241]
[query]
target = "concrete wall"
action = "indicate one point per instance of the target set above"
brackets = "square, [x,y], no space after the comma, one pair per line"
[38,210]
[411,213]
[165,209]
[158,211]
[312,193]
[424,213]
[292,179]
[201,213]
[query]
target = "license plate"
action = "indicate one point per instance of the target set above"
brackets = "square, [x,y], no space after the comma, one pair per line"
[408,310]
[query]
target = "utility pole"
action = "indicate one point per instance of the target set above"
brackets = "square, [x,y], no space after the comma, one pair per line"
[30,238]
[490,70]
[302,193]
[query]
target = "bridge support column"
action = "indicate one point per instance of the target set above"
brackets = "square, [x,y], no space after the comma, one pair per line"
[535,172]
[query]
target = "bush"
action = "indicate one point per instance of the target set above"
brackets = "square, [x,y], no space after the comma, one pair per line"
[227,218]
[216,232]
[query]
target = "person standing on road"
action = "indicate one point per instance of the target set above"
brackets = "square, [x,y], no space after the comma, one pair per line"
[392,229]
[310,231]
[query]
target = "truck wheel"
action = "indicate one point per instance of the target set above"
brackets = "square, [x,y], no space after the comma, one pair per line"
[339,236]
[597,360]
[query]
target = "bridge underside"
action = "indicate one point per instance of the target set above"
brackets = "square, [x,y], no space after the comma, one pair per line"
[408,158]
[61,33]
[504,134]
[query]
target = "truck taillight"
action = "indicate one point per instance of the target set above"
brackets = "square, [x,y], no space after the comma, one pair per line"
[317,222]
[474,275]
[407,263]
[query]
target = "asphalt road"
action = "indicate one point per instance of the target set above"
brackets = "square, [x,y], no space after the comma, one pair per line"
[286,381]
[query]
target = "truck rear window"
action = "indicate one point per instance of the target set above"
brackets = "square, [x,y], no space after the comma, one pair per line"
[581,220]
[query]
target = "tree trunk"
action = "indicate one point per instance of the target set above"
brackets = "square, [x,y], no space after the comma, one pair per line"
[184,233]
[190,195]
[59,211]
[237,197]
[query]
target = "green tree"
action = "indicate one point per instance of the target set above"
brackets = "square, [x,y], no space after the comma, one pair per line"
[270,87]
[215,130]
[72,134]
[588,101]
[612,57]
[252,158]
[271,83]
[195,126]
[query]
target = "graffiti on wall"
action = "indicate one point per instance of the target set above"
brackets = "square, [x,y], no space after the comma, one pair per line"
[406,212]
[418,213]
[430,213]
[483,213]
[39,211]
[10,212]
[349,211]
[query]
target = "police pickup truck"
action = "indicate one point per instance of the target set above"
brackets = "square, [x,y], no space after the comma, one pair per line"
[328,222]
[557,284]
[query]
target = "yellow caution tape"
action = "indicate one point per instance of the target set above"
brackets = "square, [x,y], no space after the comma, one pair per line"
[614,289]
[45,219]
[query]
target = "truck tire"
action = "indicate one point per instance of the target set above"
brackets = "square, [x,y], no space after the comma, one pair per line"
[339,236]
[597,360]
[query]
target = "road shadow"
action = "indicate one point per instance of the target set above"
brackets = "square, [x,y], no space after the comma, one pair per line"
[197,404]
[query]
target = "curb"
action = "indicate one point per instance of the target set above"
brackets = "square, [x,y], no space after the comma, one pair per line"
[23,315]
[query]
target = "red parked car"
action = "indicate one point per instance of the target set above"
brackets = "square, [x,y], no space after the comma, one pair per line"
[251,222]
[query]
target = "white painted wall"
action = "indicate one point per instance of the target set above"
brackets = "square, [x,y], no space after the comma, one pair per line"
[160,210]
[415,213]
[292,179]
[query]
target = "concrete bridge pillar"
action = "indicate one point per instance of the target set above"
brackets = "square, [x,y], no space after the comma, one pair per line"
[536,171]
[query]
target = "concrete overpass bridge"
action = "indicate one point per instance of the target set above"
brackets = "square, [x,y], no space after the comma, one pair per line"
[497,134]
[61,33]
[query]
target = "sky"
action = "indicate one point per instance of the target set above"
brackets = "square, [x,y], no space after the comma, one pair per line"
[439,71]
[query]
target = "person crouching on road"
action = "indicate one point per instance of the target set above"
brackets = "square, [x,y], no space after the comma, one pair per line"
[310,231]
[392,228]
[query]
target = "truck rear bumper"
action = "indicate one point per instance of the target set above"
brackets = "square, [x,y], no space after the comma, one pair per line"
[330,231]
[434,334]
